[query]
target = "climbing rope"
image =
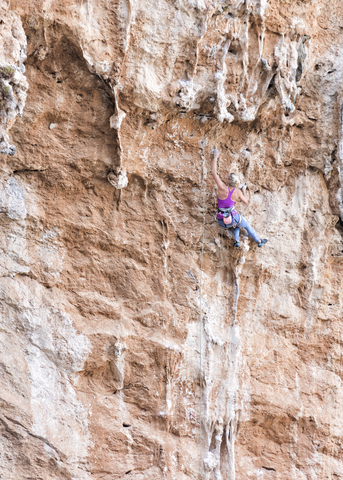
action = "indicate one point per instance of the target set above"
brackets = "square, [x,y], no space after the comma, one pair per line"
[235,304]
[213,184]
[235,273]
[201,320]
[201,423]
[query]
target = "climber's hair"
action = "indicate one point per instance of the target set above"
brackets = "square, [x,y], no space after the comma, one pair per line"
[233,180]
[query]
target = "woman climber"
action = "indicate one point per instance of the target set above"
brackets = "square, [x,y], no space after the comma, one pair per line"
[228,217]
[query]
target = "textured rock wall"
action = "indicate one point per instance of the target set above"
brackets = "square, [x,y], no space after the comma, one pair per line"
[135,341]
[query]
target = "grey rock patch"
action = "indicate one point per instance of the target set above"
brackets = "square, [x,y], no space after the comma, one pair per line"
[12,200]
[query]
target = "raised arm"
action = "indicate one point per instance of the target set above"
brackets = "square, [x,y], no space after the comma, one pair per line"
[216,178]
[242,195]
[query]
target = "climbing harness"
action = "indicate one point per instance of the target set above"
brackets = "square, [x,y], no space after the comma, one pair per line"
[228,217]
[226,212]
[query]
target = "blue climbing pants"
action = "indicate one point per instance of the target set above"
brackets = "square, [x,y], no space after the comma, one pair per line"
[244,224]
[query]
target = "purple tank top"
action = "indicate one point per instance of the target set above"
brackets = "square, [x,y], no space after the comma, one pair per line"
[227,203]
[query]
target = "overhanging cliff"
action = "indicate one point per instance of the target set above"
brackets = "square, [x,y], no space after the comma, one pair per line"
[135,341]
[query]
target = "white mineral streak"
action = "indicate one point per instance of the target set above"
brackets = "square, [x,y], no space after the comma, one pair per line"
[126,15]
[117,118]
[12,201]
[223,101]
[340,166]
[286,57]
[118,179]
[13,84]
[14,255]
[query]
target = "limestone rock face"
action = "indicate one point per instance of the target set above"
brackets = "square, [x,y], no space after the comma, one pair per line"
[13,84]
[135,341]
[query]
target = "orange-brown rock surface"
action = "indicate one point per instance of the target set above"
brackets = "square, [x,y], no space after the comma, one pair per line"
[135,341]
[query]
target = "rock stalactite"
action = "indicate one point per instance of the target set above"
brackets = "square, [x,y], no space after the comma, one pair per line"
[13,84]
[135,341]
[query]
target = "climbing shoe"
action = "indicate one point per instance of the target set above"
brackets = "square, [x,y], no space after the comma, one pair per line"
[237,244]
[262,242]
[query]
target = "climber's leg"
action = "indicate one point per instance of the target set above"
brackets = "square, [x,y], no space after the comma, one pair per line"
[236,233]
[250,230]
[262,242]
[244,224]
[236,230]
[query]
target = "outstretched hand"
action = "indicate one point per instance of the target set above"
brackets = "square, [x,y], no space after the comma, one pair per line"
[243,196]
[216,152]
[215,175]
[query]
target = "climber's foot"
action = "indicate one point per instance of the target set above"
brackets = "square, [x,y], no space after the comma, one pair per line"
[237,244]
[262,242]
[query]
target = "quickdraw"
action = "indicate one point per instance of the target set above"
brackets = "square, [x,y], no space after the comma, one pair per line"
[194,419]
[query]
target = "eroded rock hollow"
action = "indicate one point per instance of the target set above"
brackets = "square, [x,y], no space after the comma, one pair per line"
[135,341]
